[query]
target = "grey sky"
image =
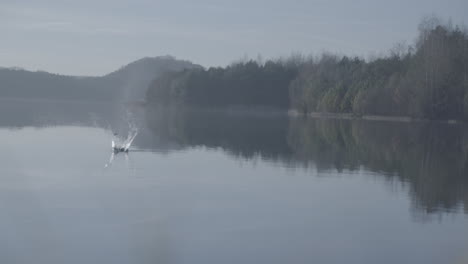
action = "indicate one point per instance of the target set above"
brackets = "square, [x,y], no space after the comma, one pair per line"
[90,37]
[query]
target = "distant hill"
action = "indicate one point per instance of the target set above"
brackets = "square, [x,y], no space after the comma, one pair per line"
[129,83]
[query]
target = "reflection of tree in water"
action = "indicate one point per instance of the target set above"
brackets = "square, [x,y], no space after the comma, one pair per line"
[431,158]
[243,135]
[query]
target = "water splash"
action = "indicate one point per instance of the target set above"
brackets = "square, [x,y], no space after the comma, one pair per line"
[123,145]
[120,143]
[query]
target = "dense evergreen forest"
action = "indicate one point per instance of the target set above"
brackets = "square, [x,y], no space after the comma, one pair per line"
[246,83]
[426,80]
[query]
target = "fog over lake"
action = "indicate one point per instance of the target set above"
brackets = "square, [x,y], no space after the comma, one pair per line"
[234,132]
[209,186]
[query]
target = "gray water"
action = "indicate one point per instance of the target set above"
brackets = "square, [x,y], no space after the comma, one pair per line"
[203,186]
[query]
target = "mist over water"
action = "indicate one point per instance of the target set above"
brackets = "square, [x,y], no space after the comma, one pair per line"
[324,132]
[212,186]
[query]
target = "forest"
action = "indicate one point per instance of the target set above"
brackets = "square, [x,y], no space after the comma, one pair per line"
[247,83]
[428,79]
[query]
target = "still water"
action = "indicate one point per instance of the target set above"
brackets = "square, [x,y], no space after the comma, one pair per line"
[204,186]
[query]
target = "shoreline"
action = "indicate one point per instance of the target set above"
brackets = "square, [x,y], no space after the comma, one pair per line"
[262,110]
[350,116]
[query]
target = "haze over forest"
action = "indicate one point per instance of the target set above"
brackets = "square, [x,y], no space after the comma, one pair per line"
[129,83]
[426,79]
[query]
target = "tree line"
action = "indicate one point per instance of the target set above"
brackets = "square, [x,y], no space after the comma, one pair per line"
[247,83]
[426,80]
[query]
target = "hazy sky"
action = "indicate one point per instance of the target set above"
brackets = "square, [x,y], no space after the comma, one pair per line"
[91,37]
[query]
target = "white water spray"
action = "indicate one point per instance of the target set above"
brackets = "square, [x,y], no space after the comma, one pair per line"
[119,145]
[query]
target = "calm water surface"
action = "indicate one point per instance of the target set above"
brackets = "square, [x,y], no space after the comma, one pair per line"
[227,187]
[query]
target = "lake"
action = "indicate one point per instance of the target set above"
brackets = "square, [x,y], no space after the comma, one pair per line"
[214,186]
